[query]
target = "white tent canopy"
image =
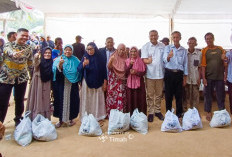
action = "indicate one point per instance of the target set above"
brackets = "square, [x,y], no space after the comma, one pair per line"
[87,18]
[187,9]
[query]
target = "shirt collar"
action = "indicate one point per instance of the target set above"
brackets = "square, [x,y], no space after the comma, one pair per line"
[109,50]
[194,52]
[151,45]
[180,48]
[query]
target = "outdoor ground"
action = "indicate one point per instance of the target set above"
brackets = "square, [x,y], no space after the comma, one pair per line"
[206,142]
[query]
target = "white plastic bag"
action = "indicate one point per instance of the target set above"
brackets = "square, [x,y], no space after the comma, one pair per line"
[90,126]
[171,123]
[220,119]
[118,122]
[191,120]
[43,129]
[23,132]
[139,122]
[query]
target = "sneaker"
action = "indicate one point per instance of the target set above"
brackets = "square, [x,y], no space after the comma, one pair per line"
[159,115]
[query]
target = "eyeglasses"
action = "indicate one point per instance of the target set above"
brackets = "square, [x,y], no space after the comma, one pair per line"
[89,49]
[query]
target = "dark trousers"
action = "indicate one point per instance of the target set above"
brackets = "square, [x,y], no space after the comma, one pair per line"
[230,94]
[174,87]
[5,93]
[219,86]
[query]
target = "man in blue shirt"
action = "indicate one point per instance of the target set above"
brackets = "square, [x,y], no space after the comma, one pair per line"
[176,71]
[58,50]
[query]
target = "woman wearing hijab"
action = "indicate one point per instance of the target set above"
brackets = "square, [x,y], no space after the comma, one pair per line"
[135,92]
[116,91]
[65,87]
[39,94]
[93,70]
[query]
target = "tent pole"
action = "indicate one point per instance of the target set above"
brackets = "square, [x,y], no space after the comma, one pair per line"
[171,26]
[4,25]
[45,25]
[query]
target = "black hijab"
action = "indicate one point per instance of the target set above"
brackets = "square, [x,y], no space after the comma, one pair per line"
[46,66]
[95,72]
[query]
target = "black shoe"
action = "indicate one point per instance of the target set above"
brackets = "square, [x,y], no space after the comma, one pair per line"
[17,123]
[159,115]
[150,118]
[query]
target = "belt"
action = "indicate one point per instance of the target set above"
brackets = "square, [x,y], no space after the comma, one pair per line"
[174,70]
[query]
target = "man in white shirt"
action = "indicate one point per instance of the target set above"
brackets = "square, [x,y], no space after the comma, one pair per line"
[152,54]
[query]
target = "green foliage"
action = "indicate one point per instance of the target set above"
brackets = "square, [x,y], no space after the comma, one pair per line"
[25,20]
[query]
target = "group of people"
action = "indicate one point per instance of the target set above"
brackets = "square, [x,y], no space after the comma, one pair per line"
[94,81]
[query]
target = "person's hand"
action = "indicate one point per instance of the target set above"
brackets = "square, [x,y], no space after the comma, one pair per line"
[86,62]
[223,57]
[132,61]
[112,58]
[61,62]
[184,82]
[225,78]
[37,55]
[170,55]
[17,54]
[149,60]
[199,82]
[104,87]
[133,72]
[205,82]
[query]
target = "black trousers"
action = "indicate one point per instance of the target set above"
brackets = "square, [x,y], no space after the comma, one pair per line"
[5,93]
[174,87]
[219,86]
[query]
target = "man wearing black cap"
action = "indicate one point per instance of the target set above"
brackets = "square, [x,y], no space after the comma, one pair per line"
[165,41]
[78,48]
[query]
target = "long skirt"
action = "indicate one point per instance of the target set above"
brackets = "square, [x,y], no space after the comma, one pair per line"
[136,98]
[39,97]
[66,99]
[92,101]
[116,93]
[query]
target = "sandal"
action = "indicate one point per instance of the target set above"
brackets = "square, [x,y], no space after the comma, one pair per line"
[71,123]
[101,123]
[208,116]
[58,124]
